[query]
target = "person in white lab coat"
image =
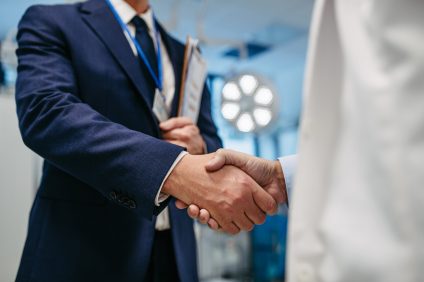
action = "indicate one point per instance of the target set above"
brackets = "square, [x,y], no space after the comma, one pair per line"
[356,206]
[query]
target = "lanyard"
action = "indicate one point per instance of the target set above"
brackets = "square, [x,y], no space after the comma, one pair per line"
[158,79]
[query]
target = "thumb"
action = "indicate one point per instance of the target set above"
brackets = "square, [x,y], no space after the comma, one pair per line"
[180,205]
[217,162]
[226,157]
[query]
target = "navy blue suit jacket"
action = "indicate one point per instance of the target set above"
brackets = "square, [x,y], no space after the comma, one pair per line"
[84,104]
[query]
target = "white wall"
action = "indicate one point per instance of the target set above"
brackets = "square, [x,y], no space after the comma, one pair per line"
[17,181]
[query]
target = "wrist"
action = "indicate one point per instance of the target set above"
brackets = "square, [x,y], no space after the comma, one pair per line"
[186,181]
[173,184]
[279,175]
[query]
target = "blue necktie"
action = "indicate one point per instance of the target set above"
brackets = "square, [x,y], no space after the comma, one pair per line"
[145,41]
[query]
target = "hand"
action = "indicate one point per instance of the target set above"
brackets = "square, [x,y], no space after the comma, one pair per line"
[232,198]
[267,174]
[183,132]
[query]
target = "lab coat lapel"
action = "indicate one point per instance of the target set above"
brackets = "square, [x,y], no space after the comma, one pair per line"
[319,128]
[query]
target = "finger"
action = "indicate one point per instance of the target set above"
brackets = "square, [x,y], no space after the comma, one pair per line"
[265,201]
[230,228]
[204,216]
[227,157]
[217,162]
[278,194]
[256,215]
[244,223]
[175,122]
[193,211]
[180,205]
[213,224]
[175,134]
[185,133]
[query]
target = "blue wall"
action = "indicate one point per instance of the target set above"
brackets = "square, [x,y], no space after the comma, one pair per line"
[12,10]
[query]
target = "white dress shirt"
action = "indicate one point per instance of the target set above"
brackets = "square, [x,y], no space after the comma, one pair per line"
[127,13]
[289,165]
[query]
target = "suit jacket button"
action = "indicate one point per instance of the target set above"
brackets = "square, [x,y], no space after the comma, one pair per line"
[113,195]
[132,204]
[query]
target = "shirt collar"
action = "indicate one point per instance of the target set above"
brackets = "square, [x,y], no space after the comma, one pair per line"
[127,13]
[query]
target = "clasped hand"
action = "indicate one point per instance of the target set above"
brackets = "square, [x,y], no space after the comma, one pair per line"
[228,190]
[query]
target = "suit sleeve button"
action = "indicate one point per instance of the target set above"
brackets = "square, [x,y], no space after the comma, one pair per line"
[132,204]
[113,195]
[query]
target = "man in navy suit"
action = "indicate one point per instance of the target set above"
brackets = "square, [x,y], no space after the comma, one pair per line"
[86,103]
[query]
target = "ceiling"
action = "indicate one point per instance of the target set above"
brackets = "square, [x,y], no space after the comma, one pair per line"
[221,23]
[280,25]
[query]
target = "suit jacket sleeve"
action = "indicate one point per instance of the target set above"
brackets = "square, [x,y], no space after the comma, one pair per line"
[57,125]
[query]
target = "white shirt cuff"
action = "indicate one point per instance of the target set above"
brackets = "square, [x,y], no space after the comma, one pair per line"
[161,197]
[289,165]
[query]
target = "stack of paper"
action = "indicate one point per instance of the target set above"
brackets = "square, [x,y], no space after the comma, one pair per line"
[193,80]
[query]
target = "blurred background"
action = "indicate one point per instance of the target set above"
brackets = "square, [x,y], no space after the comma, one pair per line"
[256,57]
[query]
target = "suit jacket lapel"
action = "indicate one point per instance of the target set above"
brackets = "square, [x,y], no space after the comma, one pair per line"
[98,16]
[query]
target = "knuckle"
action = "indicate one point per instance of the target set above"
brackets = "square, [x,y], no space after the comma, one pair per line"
[244,181]
[234,231]
[272,206]
[239,203]
[245,225]
[238,198]
[226,207]
[195,129]
[185,136]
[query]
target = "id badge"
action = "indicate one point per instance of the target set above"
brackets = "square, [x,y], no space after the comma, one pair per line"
[159,107]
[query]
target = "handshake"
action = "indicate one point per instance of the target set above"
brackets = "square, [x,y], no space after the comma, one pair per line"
[227,190]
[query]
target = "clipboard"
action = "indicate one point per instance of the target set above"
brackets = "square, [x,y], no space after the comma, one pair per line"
[192,80]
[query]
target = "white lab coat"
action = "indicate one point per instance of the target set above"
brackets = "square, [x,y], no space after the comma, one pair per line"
[357,207]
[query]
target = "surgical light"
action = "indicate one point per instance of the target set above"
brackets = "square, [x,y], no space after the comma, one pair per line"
[248,103]
[245,123]
[231,92]
[264,96]
[262,116]
[248,84]
[230,110]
